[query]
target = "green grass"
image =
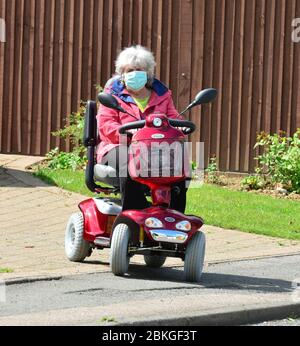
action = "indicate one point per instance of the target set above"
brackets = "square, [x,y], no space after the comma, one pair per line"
[246,211]
[66,179]
[218,206]
[108,319]
[6,270]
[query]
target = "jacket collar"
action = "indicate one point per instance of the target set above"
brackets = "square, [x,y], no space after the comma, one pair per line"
[118,89]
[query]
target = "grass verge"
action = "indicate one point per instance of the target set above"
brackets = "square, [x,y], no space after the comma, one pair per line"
[218,206]
[66,179]
[5,270]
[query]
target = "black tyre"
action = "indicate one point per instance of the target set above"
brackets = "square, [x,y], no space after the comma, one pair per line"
[154,261]
[194,258]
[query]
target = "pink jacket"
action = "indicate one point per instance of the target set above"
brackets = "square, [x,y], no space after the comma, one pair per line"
[110,120]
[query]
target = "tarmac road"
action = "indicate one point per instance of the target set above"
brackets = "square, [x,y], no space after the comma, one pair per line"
[157,295]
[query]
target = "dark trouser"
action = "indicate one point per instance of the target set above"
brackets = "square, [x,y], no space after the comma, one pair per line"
[132,192]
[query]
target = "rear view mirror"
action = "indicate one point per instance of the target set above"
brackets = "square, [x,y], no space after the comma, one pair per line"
[204,96]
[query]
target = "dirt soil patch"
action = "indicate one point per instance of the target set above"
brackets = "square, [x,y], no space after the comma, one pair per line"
[232,181]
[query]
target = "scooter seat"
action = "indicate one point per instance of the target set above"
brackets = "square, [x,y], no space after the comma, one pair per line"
[106,174]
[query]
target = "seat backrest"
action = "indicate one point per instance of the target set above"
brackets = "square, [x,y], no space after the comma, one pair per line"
[90,134]
[91,139]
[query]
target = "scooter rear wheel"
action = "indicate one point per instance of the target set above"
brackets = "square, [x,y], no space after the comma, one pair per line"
[194,258]
[154,261]
[76,247]
[119,257]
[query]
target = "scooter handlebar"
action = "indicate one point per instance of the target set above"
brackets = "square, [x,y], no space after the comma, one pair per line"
[130,126]
[189,127]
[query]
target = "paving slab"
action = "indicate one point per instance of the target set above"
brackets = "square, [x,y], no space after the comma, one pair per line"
[33,217]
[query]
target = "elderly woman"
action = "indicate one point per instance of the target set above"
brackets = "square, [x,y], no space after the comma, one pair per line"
[140,94]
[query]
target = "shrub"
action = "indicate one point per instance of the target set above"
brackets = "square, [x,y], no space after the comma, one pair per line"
[76,159]
[194,168]
[280,160]
[253,182]
[62,160]
[212,171]
[74,130]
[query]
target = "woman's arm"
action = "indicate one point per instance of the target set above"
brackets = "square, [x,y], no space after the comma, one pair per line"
[172,111]
[108,125]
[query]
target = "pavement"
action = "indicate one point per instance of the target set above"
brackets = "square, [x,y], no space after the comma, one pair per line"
[33,217]
[231,293]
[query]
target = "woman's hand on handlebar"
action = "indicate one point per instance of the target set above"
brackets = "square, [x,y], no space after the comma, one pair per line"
[186,126]
[185,130]
[133,131]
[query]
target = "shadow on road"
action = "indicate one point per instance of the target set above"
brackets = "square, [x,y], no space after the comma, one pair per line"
[211,280]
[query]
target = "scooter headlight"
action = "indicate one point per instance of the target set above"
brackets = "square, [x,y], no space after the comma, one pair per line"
[153,222]
[184,226]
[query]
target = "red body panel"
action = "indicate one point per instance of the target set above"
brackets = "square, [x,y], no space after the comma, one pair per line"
[95,223]
[140,216]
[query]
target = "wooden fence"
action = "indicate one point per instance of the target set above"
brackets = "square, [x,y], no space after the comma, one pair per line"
[56,51]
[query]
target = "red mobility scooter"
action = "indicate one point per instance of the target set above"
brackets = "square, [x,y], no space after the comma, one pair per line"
[157,232]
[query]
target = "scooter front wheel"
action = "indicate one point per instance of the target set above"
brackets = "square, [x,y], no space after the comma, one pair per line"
[194,257]
[119,257]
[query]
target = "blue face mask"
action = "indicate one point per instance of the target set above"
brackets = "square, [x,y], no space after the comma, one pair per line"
[136,80]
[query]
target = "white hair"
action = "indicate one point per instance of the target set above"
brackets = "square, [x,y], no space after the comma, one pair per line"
[136,57]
